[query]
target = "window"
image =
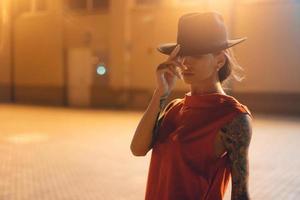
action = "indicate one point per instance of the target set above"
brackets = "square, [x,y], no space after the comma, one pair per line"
[40,5]
[86,5]
[77,4]
[100,4]
[147,2]
[21,6]
[193,2]
[2,28]
[265,1]
[29,6]
[1,7]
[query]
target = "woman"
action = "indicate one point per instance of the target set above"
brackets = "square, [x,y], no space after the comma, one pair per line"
[201,140]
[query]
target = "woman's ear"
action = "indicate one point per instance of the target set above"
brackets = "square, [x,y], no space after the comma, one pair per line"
[221,59]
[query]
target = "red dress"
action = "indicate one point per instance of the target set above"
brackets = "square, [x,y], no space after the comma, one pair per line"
[183,165]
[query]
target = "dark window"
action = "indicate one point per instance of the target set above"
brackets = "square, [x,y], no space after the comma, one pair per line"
[21,6]
[147,1]
[1,23]
[77,4]
[1,7]
[100,4]
[41,5]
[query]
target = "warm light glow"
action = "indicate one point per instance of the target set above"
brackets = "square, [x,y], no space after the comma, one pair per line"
[3,23]
[101,70]
[24,138]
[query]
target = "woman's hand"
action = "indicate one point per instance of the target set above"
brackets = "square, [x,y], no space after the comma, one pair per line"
[166,73]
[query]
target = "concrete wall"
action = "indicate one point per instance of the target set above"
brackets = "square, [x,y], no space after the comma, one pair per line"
[270,57]
[39,59]
[42,41]
[5,52]
[125,37]
[271,54]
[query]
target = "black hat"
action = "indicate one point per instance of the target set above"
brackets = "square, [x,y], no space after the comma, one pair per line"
[200,33]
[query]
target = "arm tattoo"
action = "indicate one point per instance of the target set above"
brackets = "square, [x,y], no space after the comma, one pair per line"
[162,101]
[236,137]
[162,104]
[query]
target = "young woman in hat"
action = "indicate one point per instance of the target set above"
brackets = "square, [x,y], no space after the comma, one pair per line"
[201,140]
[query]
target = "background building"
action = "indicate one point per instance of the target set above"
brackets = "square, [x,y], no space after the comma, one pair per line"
[54,51]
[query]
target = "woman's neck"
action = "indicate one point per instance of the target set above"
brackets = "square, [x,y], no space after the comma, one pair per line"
[207,88]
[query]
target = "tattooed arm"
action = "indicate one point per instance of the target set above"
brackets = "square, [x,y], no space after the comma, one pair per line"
[236,137]
[159,117]
[142,138]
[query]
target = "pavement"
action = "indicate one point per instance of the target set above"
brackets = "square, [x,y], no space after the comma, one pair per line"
[54,153]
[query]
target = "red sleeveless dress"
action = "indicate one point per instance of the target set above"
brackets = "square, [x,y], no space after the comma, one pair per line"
[183,165]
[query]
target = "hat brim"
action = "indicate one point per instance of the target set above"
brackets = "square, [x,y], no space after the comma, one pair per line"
[167,48]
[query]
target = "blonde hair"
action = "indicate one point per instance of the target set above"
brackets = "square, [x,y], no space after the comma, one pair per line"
[231,70]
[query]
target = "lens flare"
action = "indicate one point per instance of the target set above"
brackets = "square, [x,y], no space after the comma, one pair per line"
[101,70]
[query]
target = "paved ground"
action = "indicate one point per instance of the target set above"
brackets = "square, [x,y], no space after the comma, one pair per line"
[73,154]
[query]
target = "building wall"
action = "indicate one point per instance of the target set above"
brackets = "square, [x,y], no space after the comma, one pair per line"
[38,59]
[5,52]
[125,37]
[270,56]
[38,56]
[41,71]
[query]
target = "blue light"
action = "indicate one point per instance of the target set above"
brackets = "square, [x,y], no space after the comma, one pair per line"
[101,70]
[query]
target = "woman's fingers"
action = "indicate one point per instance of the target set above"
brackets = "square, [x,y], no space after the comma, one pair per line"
[170,71]
[175,65]
[170,67]
[178,64]
[173,57]
[162,66]
[175,71]
[180,61]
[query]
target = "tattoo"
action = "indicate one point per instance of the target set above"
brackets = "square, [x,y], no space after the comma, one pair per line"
[159,117]
[236,137]
[162,101]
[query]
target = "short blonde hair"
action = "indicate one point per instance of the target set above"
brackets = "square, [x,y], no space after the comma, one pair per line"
[231,70]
